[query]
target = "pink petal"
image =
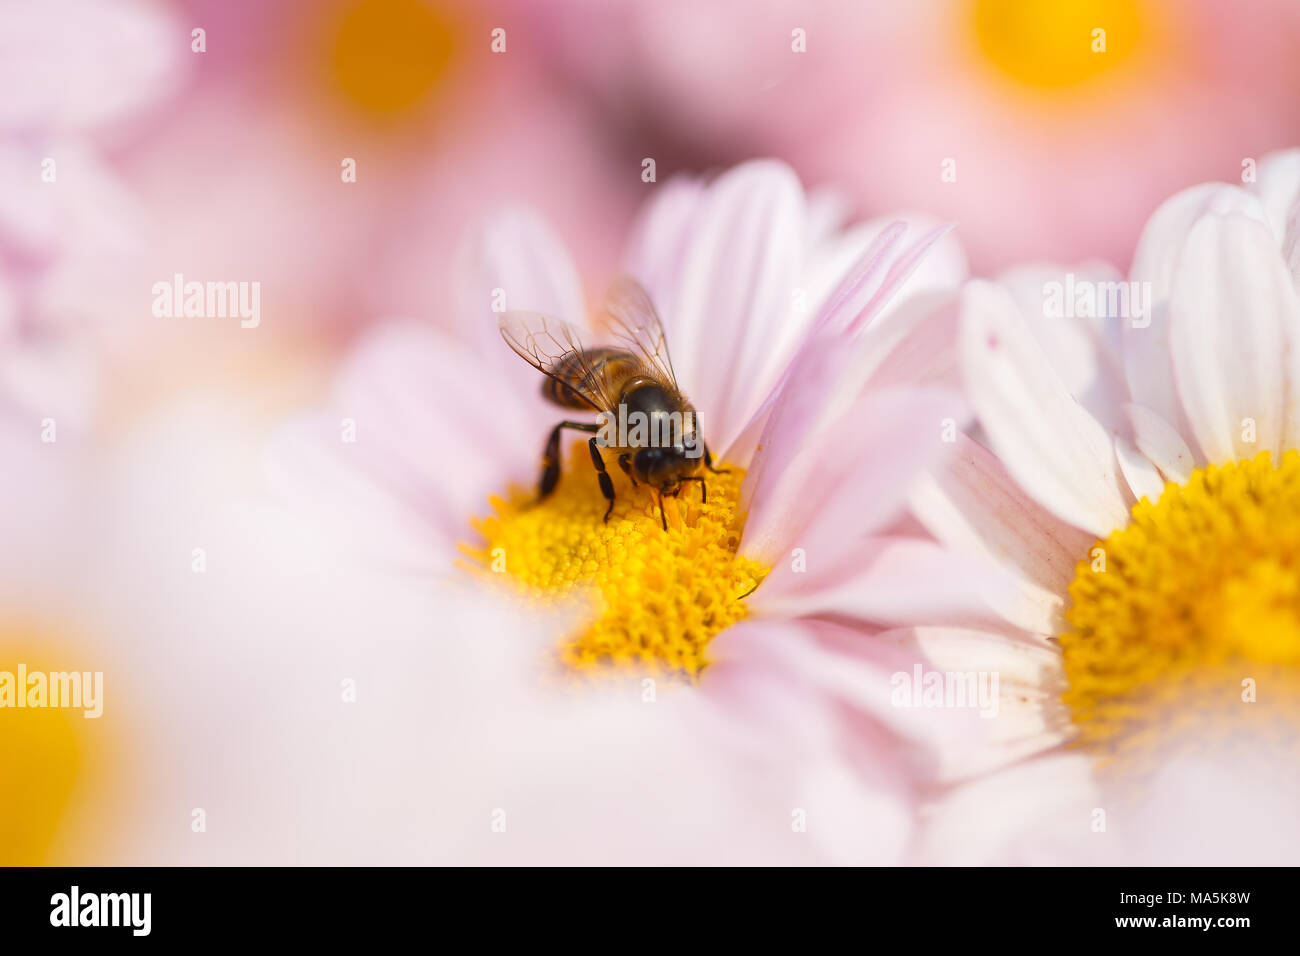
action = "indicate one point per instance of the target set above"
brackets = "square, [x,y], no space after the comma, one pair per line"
[887,581]
[833,465]
[1047,440]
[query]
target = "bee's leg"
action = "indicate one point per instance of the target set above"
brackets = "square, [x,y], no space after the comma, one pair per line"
[551,457]
[663,519]
[708,463]
[704,491]
[625,462]
[606,485]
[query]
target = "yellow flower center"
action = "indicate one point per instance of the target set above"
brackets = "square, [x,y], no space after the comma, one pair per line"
[1051,44]
[389,55]
[58,787]
[1189,617]
[658,596]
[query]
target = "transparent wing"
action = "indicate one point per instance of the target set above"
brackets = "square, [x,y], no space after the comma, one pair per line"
[553,348]
[635,325]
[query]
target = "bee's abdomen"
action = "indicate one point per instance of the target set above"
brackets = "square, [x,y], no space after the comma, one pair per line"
[590,373]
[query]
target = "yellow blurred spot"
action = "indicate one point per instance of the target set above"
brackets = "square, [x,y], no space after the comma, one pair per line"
[42,759]
[661,595]
[389,55]
[1051,44]
[1198,604]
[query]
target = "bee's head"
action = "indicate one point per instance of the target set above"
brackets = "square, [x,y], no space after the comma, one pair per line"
[664,468]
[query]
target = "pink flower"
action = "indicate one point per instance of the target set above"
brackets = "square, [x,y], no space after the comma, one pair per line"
[1137,483]
[1019,121]
[781,336]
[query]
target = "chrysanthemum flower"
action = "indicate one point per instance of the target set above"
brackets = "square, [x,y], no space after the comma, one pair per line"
[1140,481]
[751,612]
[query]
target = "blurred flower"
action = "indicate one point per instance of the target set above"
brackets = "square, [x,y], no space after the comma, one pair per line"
[959,107]
[75,79]
[1143,496]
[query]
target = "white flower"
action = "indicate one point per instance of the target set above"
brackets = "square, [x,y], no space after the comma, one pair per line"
[1139,484]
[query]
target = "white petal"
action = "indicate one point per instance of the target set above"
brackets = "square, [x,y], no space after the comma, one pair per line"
[1279,190]
[1141,475]
[1146,346]
[1027,716]
[971,503]
[732,328]
[1234,315]
[1158,440]
[1078,346]
[1037,813]
[1278,187]
[656,253]
[515,260]
[1053,447]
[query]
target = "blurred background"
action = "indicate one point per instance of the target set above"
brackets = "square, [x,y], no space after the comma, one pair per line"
[218,139]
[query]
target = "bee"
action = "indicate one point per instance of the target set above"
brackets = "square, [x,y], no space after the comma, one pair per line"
[646,421]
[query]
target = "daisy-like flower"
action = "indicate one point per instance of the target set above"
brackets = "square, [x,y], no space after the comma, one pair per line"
[820,404]
[1140,481]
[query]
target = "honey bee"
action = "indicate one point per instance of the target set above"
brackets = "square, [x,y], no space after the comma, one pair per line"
[646,421]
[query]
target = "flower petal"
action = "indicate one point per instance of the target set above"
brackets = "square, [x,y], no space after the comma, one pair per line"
[1141,475]
[887,581]
[730,328]
[1082,348]
[1054,448]
[1027,717]
[833,465]
[1278,187]
[972,504]
[1161,443]
[1233,319]
[514,261]
[1146,346]
[656,253]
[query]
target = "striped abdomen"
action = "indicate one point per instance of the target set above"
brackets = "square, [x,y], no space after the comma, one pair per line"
[593,373]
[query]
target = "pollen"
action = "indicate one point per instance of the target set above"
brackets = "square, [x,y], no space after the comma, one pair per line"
[1186,623]
[657,597]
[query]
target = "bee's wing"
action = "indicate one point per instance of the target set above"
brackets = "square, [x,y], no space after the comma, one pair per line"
[635,325]
[550,345]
